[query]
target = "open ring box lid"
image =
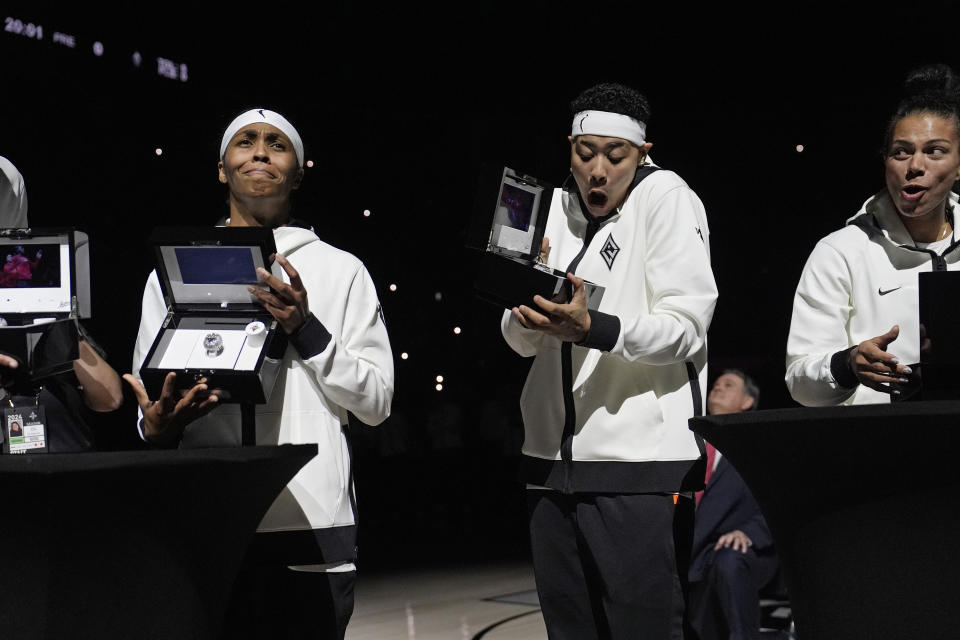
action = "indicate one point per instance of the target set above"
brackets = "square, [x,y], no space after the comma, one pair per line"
[507,226]
[204,273]
[38,303]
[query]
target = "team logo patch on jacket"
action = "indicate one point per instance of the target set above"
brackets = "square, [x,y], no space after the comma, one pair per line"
[609,251]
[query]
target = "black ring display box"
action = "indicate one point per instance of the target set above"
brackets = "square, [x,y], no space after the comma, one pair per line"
[510,273]
[214,329]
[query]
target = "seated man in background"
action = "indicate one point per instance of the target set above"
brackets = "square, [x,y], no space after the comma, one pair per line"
[733,556]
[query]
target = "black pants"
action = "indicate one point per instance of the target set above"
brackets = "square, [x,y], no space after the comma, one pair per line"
[606,565]
[725,605]
[272,601]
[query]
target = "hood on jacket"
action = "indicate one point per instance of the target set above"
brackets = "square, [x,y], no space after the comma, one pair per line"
[290,238]
[878,218]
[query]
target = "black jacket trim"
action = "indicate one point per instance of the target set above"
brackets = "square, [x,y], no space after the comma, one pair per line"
[569,416]
[695,391]
[604,331]
[311,338]
[699,470]
[614,477]
[840,369]
[307,546]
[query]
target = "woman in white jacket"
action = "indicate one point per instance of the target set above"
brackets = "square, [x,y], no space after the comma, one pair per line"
[855,330]
[605,407]
[298,578]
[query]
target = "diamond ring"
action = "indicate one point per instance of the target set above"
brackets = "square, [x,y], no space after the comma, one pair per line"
[213,343]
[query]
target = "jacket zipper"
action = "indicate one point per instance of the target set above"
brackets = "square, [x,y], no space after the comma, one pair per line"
[566,348]
[566,376]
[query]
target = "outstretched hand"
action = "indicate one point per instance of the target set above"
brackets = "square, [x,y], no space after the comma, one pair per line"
[877,369]
[165,419]
[285,302]
[568,322]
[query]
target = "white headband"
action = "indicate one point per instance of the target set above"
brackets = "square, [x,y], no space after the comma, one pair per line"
[269,117]
[608,124]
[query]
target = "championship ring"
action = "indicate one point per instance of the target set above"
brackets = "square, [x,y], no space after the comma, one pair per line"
[213,343]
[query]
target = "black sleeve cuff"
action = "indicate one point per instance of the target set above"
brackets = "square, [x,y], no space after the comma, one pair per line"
[604,331]
[840,369]
[311,338]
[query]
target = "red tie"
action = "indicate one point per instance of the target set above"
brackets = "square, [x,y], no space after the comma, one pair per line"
[711,456]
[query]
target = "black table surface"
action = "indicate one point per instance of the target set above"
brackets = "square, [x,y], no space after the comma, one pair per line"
[129,544]
[56,463]
[822,455]
[860,501]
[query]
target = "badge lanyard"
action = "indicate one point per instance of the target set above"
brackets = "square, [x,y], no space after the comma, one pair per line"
[24,426]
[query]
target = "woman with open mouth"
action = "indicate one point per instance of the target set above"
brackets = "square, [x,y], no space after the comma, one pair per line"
[608,457]
[855,330]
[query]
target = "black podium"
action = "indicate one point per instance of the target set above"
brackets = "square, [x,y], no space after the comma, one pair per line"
[862,505]
[140,544]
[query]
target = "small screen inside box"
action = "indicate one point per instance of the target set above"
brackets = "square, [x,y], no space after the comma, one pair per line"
[30,265]
[35,274]
[211,274]
[514,223]
[216,265]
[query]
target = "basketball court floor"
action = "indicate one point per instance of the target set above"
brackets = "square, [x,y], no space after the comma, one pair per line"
[490,601]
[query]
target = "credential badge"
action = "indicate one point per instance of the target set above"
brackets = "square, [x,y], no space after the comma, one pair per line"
[609,251]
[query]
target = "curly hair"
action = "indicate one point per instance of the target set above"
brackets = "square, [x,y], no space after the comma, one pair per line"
[931,89]
[616,98]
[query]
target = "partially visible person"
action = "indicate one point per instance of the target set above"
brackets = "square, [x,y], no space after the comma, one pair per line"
[70,400]
[13,196]
[13,214]
[733,556]
[855,334]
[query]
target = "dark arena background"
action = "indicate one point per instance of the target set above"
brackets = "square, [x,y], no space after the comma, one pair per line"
[773,114]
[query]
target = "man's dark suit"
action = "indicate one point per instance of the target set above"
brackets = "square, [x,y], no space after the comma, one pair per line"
[724,583]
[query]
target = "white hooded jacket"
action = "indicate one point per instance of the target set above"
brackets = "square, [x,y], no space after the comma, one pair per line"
[352,371]
[619,423]
[858,283]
